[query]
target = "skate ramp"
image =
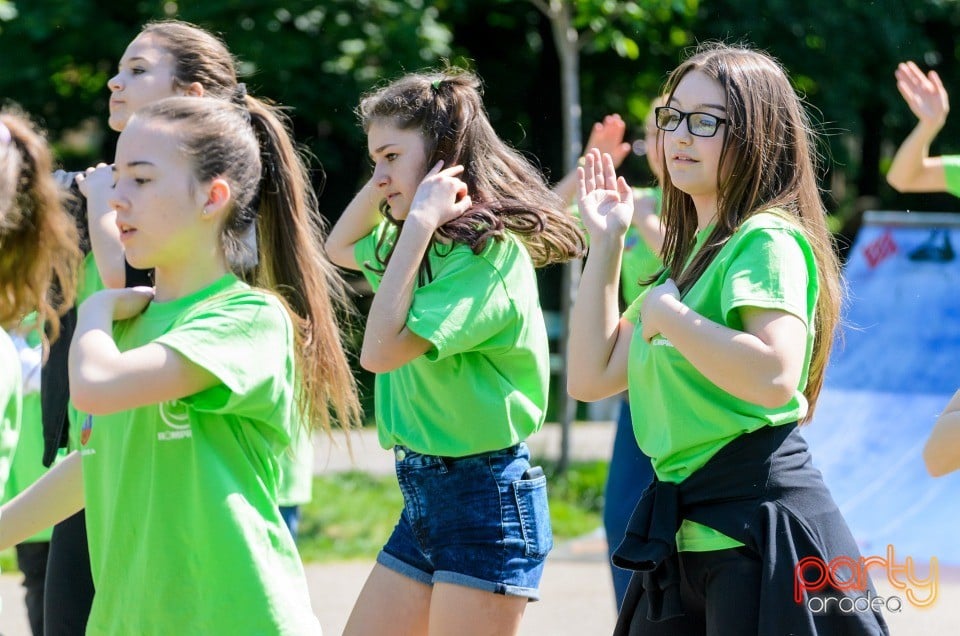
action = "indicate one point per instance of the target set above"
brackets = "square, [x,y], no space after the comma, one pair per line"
[890,376]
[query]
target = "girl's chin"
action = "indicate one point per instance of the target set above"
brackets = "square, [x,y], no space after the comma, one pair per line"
[399,214]
[117,123]
[138,261]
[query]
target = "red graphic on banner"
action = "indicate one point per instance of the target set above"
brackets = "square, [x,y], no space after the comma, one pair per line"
[881,249]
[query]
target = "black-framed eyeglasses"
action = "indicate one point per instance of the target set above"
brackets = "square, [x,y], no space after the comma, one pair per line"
[699,124]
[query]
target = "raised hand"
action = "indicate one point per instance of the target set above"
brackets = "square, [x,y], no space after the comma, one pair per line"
[97,182]
[441,197]
[606,201]
[607,137]
[924,94]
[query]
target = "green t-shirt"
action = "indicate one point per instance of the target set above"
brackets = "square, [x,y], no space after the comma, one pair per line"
[26,467]
[681,419]
[296,471]
[90,283]
[639,261]
[11,404]
[951,173]
[482,386]
[181,497]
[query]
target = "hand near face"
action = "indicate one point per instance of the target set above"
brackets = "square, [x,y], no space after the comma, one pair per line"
[96,184]
[654,308]
[441,196]
[924,94]
[606,201]
[607,137]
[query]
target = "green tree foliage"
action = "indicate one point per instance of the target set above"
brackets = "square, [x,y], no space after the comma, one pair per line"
[313,57]
[841,54]
[625,48]
[318,56]
[57,56]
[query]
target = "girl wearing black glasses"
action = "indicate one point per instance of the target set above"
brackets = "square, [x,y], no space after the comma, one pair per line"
[723,355]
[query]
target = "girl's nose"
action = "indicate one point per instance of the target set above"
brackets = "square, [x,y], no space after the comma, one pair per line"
[116,201]
[114,83]
[682,132]
[380,177]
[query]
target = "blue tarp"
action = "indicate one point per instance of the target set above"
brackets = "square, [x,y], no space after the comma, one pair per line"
[894,370]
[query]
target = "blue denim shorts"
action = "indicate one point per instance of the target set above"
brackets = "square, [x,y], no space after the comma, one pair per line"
[478,521]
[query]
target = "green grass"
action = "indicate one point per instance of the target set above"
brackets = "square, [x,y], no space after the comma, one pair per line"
[352,514]
[350,517]
[576,498]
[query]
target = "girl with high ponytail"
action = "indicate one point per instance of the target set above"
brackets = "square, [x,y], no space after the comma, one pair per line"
[196,386]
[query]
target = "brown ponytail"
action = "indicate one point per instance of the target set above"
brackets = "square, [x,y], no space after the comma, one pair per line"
[247,142]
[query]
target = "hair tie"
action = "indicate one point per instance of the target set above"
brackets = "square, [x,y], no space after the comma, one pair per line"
[5,136]
[435,85]
[239,98]
[240,94]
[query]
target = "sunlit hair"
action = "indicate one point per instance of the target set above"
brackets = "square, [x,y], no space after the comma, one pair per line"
[38,241]
[248,143]
[507,191]
[199,56]
[768,161]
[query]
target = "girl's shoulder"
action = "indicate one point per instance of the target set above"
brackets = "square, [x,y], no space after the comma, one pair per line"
[772,235]
[450,251]
[771,222]
[502,263]
[240,303]
[770,219]
[500,253]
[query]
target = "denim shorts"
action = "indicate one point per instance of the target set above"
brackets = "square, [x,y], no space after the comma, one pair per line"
[476,521]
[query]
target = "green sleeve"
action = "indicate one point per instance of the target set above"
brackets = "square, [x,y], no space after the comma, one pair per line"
[365,252]
[464,307]
[89,279]
[246,341]
[632,313]
[771,268]
[951,173]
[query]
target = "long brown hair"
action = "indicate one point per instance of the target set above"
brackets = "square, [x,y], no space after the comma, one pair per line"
[248,143]
[768,160]
[508,192]
[38,242]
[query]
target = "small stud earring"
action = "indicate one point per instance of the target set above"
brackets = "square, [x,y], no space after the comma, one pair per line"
[205,212]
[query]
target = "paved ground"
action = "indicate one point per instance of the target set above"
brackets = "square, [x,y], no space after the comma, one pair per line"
[577,594]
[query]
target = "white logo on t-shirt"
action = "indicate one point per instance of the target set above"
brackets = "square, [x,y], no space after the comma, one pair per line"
[174,414]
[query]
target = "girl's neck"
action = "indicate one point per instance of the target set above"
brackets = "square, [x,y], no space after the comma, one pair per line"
[182,280]
[706,210]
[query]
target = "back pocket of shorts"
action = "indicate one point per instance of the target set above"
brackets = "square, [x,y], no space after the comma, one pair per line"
[531,496]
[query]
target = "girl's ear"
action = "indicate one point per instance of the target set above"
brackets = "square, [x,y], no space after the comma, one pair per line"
[194,89]
[218,198]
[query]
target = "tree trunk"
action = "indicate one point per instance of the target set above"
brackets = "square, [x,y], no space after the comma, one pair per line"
[566,39]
